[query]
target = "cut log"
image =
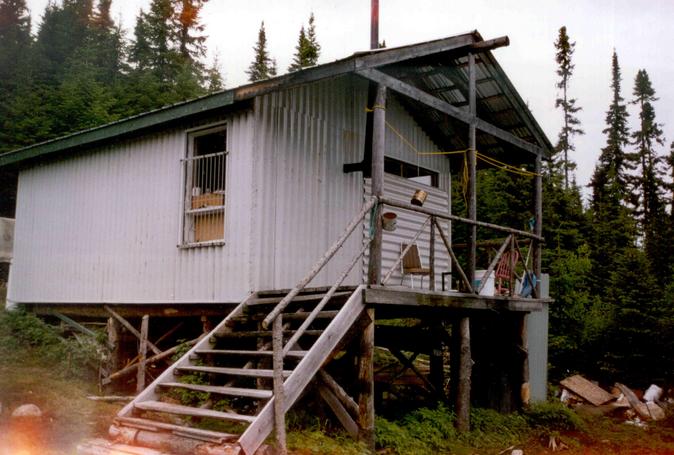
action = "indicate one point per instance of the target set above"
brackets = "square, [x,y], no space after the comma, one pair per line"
[588,391]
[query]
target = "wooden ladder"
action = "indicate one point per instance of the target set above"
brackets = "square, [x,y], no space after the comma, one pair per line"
[230,369]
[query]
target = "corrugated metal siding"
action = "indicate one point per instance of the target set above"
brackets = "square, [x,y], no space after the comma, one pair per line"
[104,226]
[303,200]
[537,339]
[408,223]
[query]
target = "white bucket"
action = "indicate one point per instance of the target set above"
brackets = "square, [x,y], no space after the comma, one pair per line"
[488,288]
[388,221]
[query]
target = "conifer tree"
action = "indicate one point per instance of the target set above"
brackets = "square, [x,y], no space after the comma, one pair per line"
[307,50]
[565,49]
[191,41]
[647,183]
[612,227]
[263,66]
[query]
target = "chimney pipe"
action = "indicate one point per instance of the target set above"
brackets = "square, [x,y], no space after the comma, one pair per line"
[374,25]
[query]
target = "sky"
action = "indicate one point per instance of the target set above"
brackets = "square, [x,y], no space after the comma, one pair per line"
[638,31]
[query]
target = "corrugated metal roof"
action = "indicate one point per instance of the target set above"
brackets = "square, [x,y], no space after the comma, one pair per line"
[424,65]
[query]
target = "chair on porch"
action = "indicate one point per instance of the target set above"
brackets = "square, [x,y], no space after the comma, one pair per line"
[411,265]
[504,271]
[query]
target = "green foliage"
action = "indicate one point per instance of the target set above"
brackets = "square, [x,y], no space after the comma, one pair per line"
[262,66]
[307,49]
[551,417]
[24,336]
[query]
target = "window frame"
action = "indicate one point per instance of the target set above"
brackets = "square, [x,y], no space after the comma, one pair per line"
[186,186]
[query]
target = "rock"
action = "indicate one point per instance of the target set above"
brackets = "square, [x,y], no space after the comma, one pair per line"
[517,452]
[27,411]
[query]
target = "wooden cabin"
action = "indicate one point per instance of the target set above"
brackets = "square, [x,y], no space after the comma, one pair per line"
[284,209]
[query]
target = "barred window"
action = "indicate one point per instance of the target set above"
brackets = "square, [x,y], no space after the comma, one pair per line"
[205,170]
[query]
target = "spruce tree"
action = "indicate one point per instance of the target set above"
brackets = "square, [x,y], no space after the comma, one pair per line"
[648,182]
[307,50]
[263,66]
[565,49]
[191,41]
[612,227]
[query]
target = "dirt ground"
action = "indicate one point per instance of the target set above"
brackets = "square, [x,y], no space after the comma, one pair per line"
[69,417]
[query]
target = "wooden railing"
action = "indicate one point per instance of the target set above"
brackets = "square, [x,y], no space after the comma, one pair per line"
[275,317]
[511,243]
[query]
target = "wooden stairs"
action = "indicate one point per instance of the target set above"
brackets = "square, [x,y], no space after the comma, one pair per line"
[218,398]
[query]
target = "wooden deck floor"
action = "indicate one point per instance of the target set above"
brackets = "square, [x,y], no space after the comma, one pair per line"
[405,297]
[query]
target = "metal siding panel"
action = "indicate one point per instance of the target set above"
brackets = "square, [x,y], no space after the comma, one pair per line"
[305,197]
[537,346]
[103,227]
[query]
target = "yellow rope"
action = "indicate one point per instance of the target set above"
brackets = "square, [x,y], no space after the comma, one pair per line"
[484,158]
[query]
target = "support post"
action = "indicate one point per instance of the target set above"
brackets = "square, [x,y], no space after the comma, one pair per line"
[431,250]
[538,226]
[374,24]
[465,360]
[279,413]
[114,329]
[525,394]
[142,354]
[366,358]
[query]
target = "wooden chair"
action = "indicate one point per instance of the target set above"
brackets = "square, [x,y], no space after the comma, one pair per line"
[411,265]
[504,271]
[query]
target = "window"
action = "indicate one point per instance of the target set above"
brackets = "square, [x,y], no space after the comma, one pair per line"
[410,171]
[205,170]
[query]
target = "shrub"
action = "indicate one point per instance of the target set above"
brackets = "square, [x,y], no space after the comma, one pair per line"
[551,417]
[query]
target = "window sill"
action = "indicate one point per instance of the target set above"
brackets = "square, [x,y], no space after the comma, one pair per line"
[185,246]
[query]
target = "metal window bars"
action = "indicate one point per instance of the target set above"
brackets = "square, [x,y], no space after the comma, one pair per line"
[204,214]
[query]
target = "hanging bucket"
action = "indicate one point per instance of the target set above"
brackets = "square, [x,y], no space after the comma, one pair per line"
[419,198]
[388,221]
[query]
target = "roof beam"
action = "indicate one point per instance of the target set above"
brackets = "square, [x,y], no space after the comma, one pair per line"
[429,100]
[468,41]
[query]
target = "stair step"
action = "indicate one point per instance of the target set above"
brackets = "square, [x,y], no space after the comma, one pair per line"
[262,333]
[159,406]
[222,390]
[236,352]
[195,433]
[315,290]
[288,316]
[299,298]
[248,372]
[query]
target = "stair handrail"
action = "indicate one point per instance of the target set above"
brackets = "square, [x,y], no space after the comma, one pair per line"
[318,266]
[328,295]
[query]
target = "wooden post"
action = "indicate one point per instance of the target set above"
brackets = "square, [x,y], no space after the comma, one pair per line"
[522,341]
[366,357]
[538,227]
[142,354]
[512,264]
[279,412]
[374,24]
[465,360]
[431,250]
[114,343]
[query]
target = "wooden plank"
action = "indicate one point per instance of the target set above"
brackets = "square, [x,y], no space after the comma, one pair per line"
[168,375]
[104,447]
[472,172]
[74,324]
[279,394]
[392,296]
[248,372]
[465,373]
[431,260]
[130,328]
[402,254]
[221,390]
[639,406]
[538,224]
[260,334]
[299,298]
[586,390]
[344,398]
[258,431]
[237,352]
[142,353]
[158,406]
[340,411]
[436,103]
